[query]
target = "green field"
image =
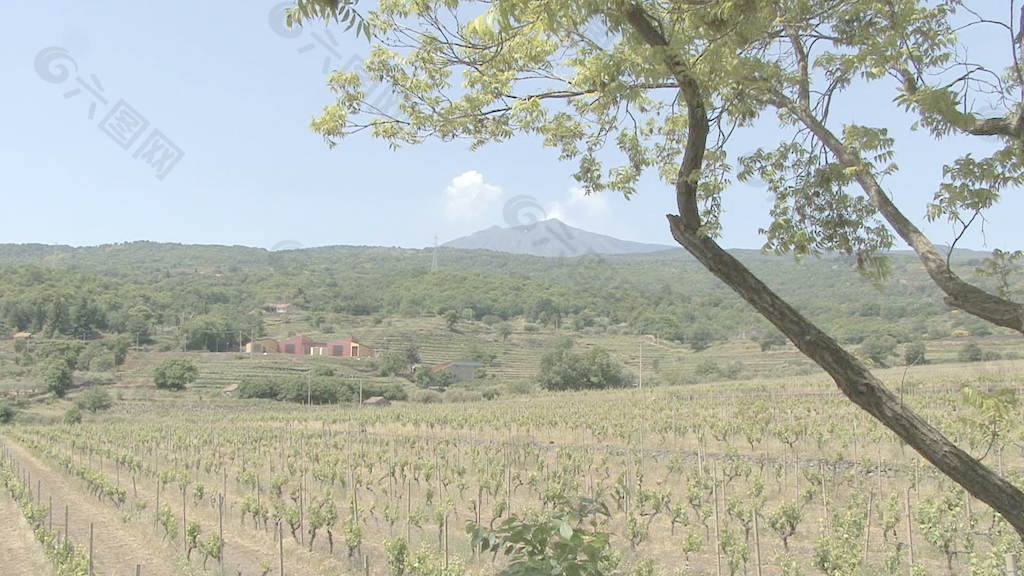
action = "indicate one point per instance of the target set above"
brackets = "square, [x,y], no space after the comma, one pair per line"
[680,468]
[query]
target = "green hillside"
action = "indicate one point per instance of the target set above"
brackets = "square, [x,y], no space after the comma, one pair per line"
[206,300]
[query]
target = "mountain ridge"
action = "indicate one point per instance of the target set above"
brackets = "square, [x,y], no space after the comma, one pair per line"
[551,238]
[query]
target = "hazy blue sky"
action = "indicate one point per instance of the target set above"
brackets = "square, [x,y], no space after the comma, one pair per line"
[236,95]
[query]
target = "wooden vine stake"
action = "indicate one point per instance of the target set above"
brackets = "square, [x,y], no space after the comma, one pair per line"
[184,528]
[280,545]
[220,554]
[714,494]
[867,525]
[824,494]
[757,544]
[910,532]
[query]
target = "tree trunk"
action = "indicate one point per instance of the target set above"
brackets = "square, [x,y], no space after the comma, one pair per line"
[849,374]
[856,381]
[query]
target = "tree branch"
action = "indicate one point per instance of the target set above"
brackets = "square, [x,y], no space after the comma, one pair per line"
[959,294]
[697,114]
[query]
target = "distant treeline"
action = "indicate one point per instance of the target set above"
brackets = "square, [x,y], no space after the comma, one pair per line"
[215,295]
[318,390]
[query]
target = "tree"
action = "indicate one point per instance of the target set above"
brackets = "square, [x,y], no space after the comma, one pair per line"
[700,337]
[451,319]
[669,83]
[915,354]
[504,330]
[57,375]
[7,412]
[1002,266]
[400,362]
[878,350]
[770,340]
[562,368]
[427,378]
[175,374]
[94,400]
[970,352]
[73,415]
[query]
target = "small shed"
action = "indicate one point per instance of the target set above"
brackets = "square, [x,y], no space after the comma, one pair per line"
[23,336]
[262,346]
[462,371]
[377,401]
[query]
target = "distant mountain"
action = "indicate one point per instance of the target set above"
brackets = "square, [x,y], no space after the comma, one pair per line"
[551,239]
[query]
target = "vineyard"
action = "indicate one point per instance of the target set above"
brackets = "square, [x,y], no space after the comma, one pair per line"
[732,479]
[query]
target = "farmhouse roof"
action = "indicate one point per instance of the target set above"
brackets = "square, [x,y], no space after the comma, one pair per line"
[456,364]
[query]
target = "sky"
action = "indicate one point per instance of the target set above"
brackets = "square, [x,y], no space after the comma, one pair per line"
[190,123]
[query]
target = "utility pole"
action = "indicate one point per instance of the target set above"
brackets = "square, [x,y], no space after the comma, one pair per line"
[433,265]
[309,389]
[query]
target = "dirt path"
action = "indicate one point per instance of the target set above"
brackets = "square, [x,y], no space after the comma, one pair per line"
[118,546]
[20,554]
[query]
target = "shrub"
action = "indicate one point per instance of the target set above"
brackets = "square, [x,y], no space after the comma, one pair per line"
[94,399]
[392,391]
[91,352]
[73,415]
[701,337]
[323,370]
[103,363]
[477,354]
[175,374]
[397,553]
[879,350]
[315,390]
[771,340]
[990,355]
[569,540]
[426,397]
[915,354]
[706,368]
[7,412]
[463,396]
[733,370]
[520,387]
[262,388]
[428,378]
[970,352]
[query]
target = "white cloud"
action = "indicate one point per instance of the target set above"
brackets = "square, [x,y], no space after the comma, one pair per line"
[469,197]
[579,207]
